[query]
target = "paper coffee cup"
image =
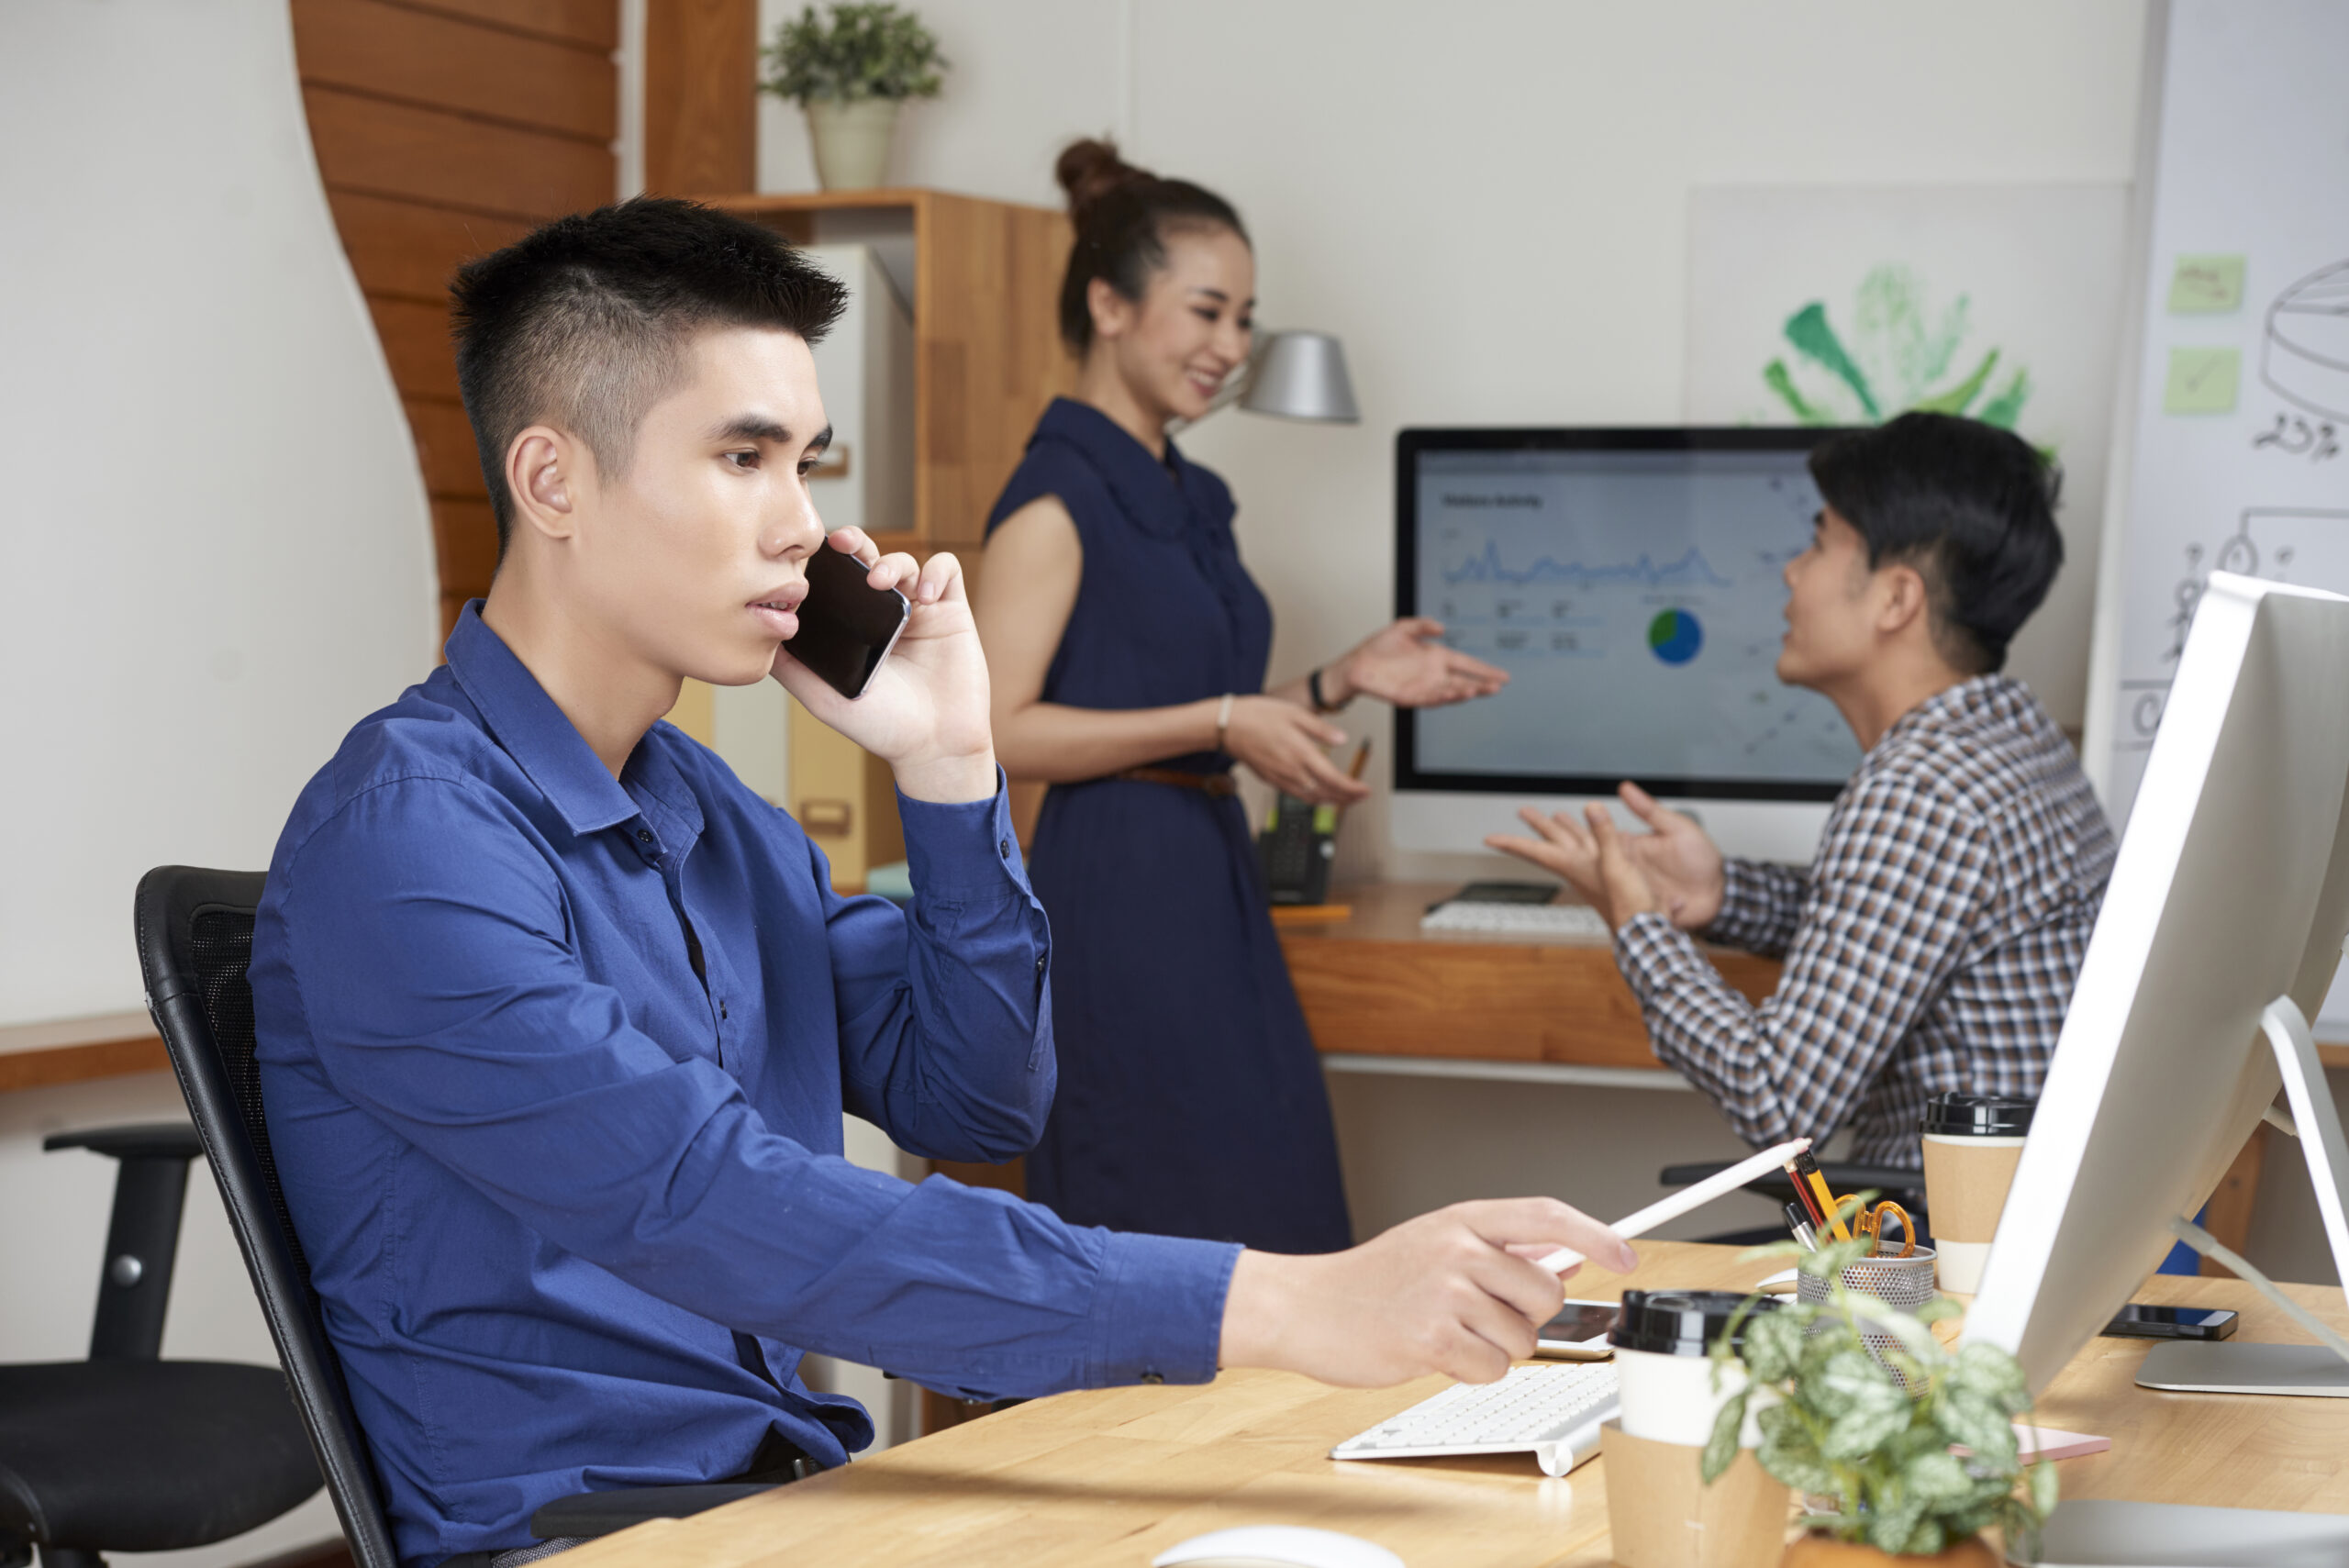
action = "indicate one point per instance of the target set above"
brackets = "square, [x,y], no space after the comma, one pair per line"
[1663,1373]
[1973,1143]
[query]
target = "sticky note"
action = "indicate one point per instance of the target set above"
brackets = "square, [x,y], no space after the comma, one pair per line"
[2201,381]
[2206,286]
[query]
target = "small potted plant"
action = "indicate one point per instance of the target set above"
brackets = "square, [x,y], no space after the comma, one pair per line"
[852,69]
[1890,1475]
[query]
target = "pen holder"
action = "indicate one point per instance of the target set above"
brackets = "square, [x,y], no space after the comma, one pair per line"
[1905,1282]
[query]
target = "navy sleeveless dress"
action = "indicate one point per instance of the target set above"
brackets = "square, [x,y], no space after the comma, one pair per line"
[1191,1102]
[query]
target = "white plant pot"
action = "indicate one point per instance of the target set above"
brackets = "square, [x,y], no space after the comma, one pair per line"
[852,141]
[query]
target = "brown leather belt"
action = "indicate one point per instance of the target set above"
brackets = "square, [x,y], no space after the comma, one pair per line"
[1206,783]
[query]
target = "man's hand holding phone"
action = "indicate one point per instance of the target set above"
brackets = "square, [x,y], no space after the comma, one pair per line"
[924,709]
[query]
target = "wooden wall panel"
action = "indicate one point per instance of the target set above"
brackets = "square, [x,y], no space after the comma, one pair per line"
[445,160]
[415,341]
[444,443]
[701,76]
[381,48]
[403,250]
[593,24]
[445,129]
[466,533]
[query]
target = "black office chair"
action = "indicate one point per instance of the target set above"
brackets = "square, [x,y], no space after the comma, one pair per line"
[1906,1189]
[196,940]
[126,1451]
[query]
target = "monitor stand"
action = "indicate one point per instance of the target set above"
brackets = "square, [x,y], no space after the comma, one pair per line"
[2321,1369]
[2091,1532]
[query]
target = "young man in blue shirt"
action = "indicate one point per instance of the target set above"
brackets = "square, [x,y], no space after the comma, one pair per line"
[1933,942]
[557,1019]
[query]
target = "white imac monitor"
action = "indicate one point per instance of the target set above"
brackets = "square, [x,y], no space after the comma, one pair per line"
[2219,936]
[1631,583]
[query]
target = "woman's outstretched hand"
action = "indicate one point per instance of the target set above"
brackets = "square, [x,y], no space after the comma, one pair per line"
[1289,749]
[1408,665]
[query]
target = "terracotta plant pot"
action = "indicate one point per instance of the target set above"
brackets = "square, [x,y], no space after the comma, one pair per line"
[1826,1552]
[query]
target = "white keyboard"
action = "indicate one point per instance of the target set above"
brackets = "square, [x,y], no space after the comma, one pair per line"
[1556,1411]
[1519,920]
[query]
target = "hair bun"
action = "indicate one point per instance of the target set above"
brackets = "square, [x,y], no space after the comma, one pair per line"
[1090,169]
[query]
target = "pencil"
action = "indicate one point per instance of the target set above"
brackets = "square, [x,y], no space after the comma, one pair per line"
[1802,1197]
[1808,1169]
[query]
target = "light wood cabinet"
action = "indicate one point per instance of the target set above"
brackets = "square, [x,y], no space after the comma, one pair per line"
[984,279]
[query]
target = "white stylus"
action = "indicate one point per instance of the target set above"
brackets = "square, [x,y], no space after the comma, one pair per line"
[1687,1198]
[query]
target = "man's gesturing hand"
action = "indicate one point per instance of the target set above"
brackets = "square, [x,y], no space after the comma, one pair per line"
[1672,867]
[1455,1292]
[925,713]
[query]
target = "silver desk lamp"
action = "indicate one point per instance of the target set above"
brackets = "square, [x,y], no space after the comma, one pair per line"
[1295,375]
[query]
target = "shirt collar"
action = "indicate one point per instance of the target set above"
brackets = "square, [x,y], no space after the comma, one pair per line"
[517,710]
[1978,694]
[1152,493]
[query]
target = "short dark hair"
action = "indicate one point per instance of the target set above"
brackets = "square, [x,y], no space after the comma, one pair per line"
[1971,506]
[583,323]
[1122,216]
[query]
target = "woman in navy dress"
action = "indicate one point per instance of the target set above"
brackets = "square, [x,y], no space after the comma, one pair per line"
[1128,648]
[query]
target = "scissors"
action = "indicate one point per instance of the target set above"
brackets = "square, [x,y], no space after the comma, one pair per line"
[1869,1222]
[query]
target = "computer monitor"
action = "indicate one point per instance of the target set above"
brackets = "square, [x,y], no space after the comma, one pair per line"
[1631,581]
[2219,936]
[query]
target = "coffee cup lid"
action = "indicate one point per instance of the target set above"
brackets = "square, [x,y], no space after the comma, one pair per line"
[1955,1114]
[1679,1322]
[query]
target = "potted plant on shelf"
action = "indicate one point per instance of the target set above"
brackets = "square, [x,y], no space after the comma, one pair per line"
[852,69]
[1888,1476]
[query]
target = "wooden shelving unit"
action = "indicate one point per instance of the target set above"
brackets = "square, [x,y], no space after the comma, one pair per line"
[984,279]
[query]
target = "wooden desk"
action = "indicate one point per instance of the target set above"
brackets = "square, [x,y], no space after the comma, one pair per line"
[1116,1476]
[1375,984]
[73,1050]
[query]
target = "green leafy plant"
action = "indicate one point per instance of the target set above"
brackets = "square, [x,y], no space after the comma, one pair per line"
[853,51]
[1877,1460]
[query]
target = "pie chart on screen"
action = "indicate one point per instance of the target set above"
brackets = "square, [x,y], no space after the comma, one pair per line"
[1674,637]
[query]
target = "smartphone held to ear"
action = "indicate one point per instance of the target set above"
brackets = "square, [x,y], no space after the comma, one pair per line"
[846,626]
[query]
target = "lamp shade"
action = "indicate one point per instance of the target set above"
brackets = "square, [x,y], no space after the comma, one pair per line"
[1301,375]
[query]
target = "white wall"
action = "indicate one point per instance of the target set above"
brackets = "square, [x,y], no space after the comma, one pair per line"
[218,550]
[217,556]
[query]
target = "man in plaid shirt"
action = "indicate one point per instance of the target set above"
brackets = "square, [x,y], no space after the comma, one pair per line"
[1933,943]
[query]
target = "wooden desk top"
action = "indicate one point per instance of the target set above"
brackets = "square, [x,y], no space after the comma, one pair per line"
[1118,1475]
[1375,983]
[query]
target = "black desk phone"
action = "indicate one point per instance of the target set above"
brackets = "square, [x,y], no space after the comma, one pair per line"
[1296,848]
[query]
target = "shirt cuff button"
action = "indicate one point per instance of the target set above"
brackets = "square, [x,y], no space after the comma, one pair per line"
[1153,1378]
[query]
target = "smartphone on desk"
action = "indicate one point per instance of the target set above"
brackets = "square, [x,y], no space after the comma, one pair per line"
[847,626]
[1578,1333]
[2141,1320]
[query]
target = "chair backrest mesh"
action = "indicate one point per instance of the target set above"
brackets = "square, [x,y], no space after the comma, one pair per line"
[221,949]
[196,945]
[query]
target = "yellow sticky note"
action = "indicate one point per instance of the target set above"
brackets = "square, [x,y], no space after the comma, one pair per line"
[2201,381]
[2206,286]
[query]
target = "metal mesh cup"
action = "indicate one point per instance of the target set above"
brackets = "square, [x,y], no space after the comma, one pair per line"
[1905,1282]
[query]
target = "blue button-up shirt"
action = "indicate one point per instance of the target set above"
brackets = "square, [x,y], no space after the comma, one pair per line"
[554,1067]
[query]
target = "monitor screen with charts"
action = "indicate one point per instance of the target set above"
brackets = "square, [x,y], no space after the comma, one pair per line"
[1631,583]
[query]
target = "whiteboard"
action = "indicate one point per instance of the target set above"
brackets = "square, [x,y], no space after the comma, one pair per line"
[2232,448]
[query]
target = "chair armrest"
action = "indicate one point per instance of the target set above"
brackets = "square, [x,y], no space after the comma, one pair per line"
[593,1514]
[148,1141]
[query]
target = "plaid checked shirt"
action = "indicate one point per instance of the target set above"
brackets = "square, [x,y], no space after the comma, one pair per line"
[1931,946]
